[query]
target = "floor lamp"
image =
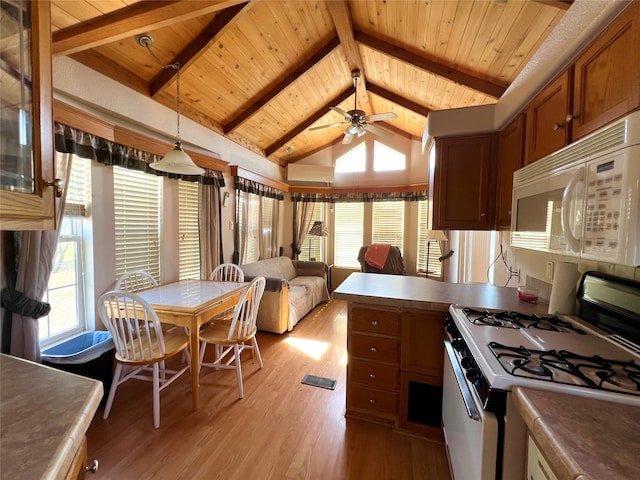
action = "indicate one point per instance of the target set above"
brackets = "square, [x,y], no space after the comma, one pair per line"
[437,235]
[317,230]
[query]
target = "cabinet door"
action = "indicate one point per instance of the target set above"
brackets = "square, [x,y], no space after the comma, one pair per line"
[607,77]
[546,119]
[464,175]
[422,343]
[510,159]
[26,144]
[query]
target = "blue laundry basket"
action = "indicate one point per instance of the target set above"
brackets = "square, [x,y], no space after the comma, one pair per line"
[90,354]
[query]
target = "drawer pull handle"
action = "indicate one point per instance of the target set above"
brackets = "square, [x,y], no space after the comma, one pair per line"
[372,376]
[372,401]
[93,468]
[374,349]
[374,323]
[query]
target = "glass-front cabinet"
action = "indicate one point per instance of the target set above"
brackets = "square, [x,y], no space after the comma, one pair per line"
[26,117]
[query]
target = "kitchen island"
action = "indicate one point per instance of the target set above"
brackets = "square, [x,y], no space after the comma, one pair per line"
[44,414]
[395,347]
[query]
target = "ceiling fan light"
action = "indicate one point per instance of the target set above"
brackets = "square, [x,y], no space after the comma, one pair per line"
[353,129]
[177,161]
[361,130]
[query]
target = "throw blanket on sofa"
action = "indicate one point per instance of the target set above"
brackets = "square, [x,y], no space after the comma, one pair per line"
[376,255]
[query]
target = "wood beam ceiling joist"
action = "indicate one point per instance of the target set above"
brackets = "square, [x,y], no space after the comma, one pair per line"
[394,98]
[278,88]
[318,114]
[339,11]
[132,20]
[197,46]
[561,4]
[483,86]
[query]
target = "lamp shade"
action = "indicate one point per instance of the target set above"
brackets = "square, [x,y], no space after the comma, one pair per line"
[318,229]
[178,162]
[436,235]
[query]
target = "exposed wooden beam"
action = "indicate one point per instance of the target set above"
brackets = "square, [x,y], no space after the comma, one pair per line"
[302,126]
[403,102]
[283,84]
[561,4]
[197,46]
[131,20]
[339,11]
[436,68]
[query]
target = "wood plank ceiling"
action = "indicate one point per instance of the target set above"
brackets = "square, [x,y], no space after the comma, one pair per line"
[263,72]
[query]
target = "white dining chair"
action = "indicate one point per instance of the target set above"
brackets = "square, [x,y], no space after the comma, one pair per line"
[142,348]
[227,272]
[135,280]
[237,335]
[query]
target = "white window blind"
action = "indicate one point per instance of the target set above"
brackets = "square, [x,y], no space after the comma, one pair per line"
[136,198]
[252,222]
[434,265]
[388,223]
[189,244]
[348,235]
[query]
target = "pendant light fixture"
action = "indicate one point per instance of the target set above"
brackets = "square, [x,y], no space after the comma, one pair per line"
[176,161]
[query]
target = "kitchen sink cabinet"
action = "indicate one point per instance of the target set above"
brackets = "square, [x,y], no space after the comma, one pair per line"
[511,143]
[27,195]
[464,182]
[537,466]
[394,371]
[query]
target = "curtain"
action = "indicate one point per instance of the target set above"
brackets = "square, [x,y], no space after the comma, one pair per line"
[242,227]
[269,215]
[359,196]
[209,225]
[302,214]
[35,257]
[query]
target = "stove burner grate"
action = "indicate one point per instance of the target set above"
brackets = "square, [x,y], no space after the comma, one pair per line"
[517,320]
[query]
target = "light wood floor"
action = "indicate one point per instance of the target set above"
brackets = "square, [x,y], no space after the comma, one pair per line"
[280,430]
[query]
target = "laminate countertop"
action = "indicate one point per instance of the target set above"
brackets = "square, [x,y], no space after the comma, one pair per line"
[420,293]
[582,438]
[44,415]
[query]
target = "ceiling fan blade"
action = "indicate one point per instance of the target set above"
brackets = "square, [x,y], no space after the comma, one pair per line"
[341,112]
[377,130]
[379,116]
[335,124]
[347,138]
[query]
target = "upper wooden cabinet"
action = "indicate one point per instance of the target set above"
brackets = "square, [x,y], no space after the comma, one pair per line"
[607,75]
[602,85]
[510,158]
[27,197]
[463,184]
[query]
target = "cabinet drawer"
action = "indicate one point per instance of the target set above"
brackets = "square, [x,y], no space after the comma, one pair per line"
[371,347]
[373,374]
[377,401]
[375,321]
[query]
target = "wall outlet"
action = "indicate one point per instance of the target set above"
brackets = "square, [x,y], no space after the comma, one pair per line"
[230,224]
[549,270]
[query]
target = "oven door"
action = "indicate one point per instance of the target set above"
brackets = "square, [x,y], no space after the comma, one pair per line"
[470,432]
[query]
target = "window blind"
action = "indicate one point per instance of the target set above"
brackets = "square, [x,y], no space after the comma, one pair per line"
[433,264]
[136,199]
[189,244]
[349,232]
[313,246]
[388,223]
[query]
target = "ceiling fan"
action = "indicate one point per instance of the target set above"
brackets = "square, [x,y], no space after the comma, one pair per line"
[357,120]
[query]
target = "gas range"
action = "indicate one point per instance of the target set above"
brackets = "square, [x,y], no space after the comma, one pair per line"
[594,354]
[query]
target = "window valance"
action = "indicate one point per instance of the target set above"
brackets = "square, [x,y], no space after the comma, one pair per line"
[338,197]
[107,152]
[251,186]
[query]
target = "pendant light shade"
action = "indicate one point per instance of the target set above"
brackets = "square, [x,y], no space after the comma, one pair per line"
[178,162]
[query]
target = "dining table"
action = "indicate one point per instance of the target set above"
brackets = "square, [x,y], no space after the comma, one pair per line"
[192,303]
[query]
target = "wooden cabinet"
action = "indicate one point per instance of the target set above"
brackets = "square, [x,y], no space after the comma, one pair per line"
[511,143]
[464,180]
[601,86]
[537,466]
[394,372]
[76,471]
[606,75]
[547,130]
[27,152]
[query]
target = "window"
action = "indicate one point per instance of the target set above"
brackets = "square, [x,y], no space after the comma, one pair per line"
[355,160]
[65,291]
[249,218]
[348,235]
[432,249]
[388,223]
[189,245]
[386,159]
[136,200]
[313,247]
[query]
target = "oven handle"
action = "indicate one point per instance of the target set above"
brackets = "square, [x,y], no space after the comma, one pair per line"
[469,404]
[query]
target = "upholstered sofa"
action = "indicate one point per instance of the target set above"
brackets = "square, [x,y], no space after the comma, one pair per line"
[293,289]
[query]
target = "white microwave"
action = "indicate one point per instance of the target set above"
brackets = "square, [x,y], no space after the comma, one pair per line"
[583,200]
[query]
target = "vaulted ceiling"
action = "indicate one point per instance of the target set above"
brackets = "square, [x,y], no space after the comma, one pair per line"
[263,72]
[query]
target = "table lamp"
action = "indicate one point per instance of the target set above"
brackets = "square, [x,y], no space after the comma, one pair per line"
[317,230]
